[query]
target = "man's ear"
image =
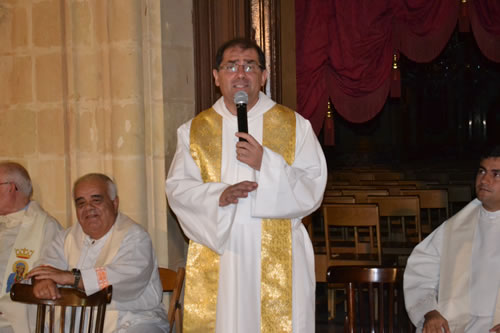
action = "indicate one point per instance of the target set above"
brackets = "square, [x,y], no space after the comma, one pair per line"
[216,76]
[116,203]
[263,77]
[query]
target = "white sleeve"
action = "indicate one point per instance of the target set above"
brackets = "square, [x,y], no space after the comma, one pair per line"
[294,191]
[421,277]
[196,203]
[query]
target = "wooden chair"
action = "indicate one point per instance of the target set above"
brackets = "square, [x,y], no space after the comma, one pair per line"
[318,239]
[70,298]
[172,281]
[314,223]
[459,195]
[375,300]
[355,218]
[433,207]
[400,224]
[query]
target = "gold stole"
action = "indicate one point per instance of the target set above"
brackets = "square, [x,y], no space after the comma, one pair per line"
[454,299]
[202,273]
[73,248]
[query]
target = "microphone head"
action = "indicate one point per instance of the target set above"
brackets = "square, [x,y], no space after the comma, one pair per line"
[241,97]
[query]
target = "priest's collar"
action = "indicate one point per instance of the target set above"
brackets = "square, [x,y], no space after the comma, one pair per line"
[490,215]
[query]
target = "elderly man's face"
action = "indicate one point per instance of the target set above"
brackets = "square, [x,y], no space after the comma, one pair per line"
[95,210]
[488,183]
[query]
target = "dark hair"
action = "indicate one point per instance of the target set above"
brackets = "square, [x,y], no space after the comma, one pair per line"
[490,152]
[244,44]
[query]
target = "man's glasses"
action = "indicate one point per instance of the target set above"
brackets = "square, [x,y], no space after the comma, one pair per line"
[233,67]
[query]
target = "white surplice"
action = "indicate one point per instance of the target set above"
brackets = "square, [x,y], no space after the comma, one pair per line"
[234,231]
[133,273]
[8,234]
[422,274]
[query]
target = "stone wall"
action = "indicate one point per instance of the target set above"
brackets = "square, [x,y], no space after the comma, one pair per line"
[97,86]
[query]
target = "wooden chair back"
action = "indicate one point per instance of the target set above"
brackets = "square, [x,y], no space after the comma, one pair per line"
[388,175]
[459,195]
[392,188]
[347,199]
[318,238]
[358,220]
[332,193]
[400,226]
[374,297]
[401,211]
[74,299]
[172,281]
[361,195]
[314,223]
[433,207]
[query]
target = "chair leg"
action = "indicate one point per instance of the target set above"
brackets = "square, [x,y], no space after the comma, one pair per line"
[331,303]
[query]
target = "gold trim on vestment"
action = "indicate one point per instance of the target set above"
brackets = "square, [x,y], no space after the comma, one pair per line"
[276,236]
[202,268]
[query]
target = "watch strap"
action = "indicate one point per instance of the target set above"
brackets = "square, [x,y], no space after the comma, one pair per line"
[78,275]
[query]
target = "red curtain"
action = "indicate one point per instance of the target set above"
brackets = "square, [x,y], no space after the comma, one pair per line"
[345,49]
[485,21]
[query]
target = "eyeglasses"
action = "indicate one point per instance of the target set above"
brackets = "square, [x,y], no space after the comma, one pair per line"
[233,67]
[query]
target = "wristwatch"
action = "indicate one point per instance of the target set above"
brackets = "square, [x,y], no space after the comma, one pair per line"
[78,275]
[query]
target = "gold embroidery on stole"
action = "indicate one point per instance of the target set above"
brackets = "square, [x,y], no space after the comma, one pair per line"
[202,267]
[276,238]
[202,271]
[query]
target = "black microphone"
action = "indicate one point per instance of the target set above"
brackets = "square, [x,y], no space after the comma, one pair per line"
[241,101]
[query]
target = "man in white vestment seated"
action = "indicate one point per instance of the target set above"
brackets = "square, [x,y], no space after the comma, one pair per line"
[452,279]
[105,248]
[25,232]
[250,265]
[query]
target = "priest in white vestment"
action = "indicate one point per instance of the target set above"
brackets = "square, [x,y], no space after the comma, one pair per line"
[106,248]
[250,261]
[452,278]
[26,230]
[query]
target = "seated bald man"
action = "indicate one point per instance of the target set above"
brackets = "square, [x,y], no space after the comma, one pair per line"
[106,248]
[26,230]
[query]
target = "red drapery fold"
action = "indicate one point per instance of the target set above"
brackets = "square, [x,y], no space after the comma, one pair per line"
[485,22]
[345,48]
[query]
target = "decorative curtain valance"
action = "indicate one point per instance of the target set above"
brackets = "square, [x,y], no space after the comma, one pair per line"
[345,49]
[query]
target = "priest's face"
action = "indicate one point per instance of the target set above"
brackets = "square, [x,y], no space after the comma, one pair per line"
[488,183]
[250,80]
[95,210]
